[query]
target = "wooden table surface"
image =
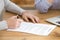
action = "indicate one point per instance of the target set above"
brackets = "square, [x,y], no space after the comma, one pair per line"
[4,35]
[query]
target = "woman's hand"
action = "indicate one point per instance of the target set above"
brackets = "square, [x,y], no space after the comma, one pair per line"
[13,22]
[27,15]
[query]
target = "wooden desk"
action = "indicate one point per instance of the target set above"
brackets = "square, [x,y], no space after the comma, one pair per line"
[4,35]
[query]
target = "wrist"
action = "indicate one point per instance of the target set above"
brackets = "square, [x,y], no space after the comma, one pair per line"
[21,13]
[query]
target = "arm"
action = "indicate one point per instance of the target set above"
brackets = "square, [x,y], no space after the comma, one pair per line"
[25,14]
[43,5]
[10,6]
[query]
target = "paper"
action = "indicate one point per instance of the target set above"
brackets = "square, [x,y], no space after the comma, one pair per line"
[38,29]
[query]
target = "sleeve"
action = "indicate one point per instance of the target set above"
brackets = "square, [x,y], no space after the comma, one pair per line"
[10,6]
[3,25]
[42,5]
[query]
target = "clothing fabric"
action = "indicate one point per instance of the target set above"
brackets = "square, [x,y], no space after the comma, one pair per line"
[44,5]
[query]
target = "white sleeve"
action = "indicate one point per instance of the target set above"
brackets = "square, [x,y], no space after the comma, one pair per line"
[10,6]
[3,25]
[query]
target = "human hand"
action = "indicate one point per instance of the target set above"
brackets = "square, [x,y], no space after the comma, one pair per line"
[27,15]
[13,22]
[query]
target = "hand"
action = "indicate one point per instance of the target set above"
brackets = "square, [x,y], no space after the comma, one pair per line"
[13,22]
[27,15]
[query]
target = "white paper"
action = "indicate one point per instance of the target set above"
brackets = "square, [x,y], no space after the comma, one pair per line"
[38,29]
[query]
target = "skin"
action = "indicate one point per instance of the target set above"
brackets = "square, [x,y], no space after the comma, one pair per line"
[27,15]
[13,22]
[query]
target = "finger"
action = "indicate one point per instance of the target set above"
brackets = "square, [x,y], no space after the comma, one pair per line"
[26,19]
[20,20]
[17,24]
[32,19]
[37,19]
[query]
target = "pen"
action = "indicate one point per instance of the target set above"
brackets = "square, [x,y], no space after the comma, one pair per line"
[17,16]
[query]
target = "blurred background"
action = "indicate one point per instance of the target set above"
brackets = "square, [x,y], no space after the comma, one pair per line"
[24,3]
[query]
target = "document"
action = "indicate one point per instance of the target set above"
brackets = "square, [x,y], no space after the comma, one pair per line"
[35,28]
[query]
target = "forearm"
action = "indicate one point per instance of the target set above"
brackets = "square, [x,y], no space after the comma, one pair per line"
[3,25]
[10,6]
